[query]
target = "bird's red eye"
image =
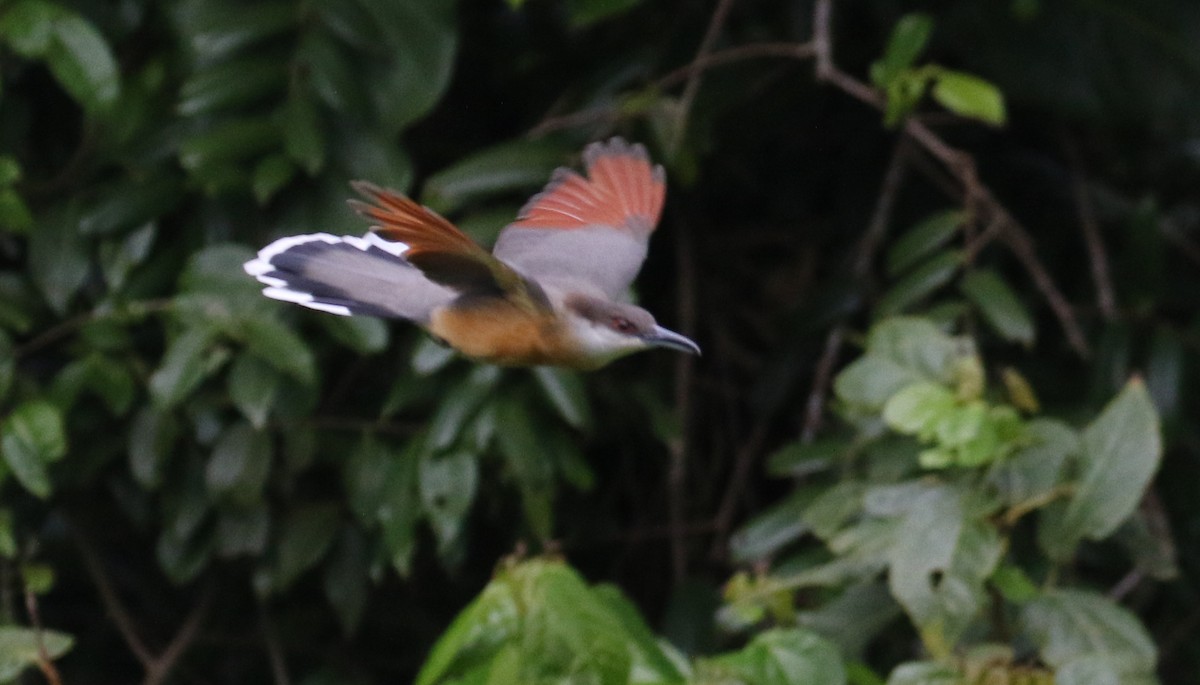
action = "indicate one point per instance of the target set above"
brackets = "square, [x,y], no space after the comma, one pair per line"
[623,325]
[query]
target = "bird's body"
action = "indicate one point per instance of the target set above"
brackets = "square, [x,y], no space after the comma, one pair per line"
[550,293]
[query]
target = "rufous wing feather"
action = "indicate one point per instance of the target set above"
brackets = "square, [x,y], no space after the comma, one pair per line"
[623,190]
[445,255]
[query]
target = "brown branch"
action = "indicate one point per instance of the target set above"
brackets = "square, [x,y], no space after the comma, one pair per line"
[814,406]
[692,87]
[743,462]
[893,179]
[1106,300]
[162,666]
[111,601]
[279,674]
[802,51]
[44,662]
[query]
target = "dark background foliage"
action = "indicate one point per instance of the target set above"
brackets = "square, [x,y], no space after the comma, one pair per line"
[286,495]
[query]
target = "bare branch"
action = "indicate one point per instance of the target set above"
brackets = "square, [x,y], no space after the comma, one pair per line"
[162,666]
[111,601]
[720,14]
[44,662]
[1106,300]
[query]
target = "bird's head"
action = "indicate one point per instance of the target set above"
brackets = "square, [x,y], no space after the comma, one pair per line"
[606,330]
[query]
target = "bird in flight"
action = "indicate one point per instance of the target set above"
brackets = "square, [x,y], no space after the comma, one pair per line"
[551,292]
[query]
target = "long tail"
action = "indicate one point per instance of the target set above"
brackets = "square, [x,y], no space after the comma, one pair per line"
[347,275]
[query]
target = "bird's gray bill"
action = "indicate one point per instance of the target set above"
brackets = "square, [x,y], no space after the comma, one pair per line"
[661,337]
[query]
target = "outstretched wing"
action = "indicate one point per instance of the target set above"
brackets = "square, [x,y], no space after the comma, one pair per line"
[443,253]
[589,232]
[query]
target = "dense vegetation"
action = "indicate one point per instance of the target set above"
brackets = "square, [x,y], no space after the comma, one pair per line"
[942,258]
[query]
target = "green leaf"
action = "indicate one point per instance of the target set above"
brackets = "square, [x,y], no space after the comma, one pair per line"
[184,366]
[906,43]
[58,259]
[969,96]
[918,344]
[253,387]
[151,439]
[1066,624]
[20,648]
[870,381]
[919,283]
[400,511]
[365,475]
[566,392]
[515,166]
[229,142]
[853,619]
[15,216]
[303,135]
[415,69]
[332,74]
[528,462]
[800,459]
[1014,584]
[1121,451]
[270,175]
[1000,306]
[460,405]
[346,579]
[941,557]
[231,85]
[243,531]
[239,465]
[430,356]
[279,346]
[771,530]
[28,26]
[220,29]
[919,408]
[781,657]
[447,487]
[363,334]
[82,62]
[32,437]
[924,673]
[537,621]
[834,508]
[584,13]
[119,257]
[306,536]
[929,234]
[37,578]
[8,538]
[1035,467]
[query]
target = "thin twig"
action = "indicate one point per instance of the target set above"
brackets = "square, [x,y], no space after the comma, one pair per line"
[44,662]
[893,179]
[692,87]
[279,673]
[743,463]
[801,51]
[814,406]
[111,601]
[1106,300]
[184,638]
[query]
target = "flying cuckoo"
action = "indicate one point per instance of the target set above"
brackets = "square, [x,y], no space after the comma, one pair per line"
[552,291]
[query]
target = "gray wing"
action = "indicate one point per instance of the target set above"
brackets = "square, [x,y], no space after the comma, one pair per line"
[594,258]
[591,231]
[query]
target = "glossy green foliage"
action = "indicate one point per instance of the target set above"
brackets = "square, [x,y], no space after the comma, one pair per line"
[932,502]
[314,498]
